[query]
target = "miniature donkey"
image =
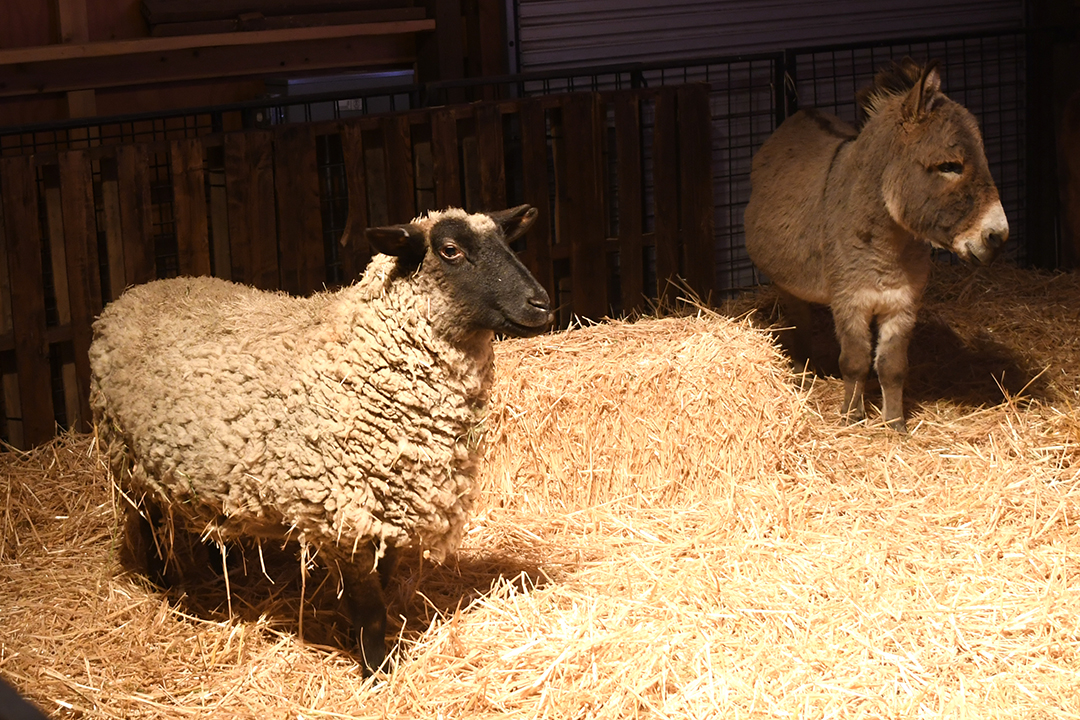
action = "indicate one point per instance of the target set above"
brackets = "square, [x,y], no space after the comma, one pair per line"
[847,217]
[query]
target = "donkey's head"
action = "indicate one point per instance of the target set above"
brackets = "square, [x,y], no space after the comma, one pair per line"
[936,182]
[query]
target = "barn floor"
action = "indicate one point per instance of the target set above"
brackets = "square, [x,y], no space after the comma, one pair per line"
[672,525]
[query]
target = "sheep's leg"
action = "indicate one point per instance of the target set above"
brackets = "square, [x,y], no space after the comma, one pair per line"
[798,314]
[364,593]
[891,362]
[140,550]
[853,332]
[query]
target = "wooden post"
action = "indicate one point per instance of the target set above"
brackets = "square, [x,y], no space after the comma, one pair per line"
[74,28]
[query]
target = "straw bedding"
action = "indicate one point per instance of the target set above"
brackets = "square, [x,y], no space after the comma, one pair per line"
[672,524]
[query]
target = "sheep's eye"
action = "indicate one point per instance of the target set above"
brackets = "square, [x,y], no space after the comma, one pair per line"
[950,168]
[451,252]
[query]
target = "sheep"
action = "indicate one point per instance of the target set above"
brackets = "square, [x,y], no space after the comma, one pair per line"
[346,420]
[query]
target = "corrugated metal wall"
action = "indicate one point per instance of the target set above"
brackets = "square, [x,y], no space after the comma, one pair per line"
[575,33]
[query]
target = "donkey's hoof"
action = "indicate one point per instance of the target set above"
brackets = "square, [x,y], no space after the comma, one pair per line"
[897,424]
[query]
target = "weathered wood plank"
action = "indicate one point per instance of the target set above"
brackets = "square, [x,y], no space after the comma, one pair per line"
[400,184]
[665,191]
[300,239]
[534,162]
[695,168]
[114,234]
[445,158]
[219,222]
[189,206]
[249,184]
[133,180]
[84,280]
[54,227]
[18,185]
[629,177]
[489,133]
[581,218]
[355,251]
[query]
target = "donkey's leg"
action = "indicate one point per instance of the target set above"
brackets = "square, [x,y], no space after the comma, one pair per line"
[853,332]
[798,314]
[891,363]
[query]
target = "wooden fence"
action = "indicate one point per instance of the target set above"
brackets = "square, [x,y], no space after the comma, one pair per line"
[622,182]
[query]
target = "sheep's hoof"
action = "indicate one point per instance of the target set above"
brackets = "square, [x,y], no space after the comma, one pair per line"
[373,647]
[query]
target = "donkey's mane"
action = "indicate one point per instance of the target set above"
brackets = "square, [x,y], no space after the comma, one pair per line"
[891,81]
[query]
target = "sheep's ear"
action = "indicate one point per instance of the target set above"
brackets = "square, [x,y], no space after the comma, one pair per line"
[403,241]
[515,221]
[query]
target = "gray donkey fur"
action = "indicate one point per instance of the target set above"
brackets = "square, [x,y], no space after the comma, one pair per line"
[847,218]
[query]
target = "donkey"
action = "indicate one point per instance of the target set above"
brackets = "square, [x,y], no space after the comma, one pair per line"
[846,218]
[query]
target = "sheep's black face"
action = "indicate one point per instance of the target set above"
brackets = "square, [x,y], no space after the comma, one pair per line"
[468,256]
[487,282]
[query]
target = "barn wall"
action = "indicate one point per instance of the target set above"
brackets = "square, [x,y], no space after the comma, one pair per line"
[286,208]
[573,33]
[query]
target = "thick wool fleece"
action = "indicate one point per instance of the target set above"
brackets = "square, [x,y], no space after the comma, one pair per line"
[336,419]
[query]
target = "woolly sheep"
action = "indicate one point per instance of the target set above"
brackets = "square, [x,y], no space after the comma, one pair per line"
[345,420]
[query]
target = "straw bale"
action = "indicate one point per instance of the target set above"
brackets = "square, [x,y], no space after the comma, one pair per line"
[654,411]
[672,525]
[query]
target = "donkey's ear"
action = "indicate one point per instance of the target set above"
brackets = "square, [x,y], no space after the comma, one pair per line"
[920,100]
[407,242]
[515,221]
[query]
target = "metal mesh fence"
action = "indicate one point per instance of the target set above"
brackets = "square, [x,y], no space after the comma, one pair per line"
[985,72]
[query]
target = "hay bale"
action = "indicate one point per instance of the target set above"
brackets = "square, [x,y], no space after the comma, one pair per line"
[657,411]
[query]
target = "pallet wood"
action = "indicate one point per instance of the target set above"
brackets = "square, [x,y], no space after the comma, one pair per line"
[534,163]
[696,200]
[580,204]
[446,166]
[84,281]
[22,230]
[400,188]
[189,206]
[628,180]
[666,191]
[249,184]
[296,182]
[492,165]
[355,251]
[133,180]
[113,228]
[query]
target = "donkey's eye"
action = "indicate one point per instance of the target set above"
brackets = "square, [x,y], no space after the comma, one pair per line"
[451,252]
[950,168]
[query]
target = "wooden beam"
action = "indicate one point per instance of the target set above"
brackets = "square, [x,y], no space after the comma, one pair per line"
[141,46]
[260,21]
[62,68]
